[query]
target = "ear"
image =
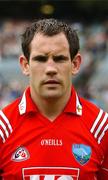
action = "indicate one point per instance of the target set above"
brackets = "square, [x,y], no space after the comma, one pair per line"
[24,65]
[76,62]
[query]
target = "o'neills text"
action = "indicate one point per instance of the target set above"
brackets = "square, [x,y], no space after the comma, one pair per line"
[51,142]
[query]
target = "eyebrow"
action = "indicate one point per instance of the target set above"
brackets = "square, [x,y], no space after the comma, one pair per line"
[54,57]
[58,57]
[40,57]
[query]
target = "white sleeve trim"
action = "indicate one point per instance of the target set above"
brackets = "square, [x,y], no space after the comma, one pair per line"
[6,120]
[105,169]
[6,128]
[97,120]
[99,128]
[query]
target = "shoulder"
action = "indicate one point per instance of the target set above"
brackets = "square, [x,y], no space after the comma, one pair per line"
[89,106]
[8,117]
[97,121]
[90,111]
[12,108]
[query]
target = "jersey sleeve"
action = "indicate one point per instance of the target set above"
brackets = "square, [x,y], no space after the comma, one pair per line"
[5,127]
[104,146]
[5,131]
[100,132]
[103,173]
[1,143]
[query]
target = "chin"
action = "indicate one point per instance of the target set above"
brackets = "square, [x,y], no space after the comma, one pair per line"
[52,95]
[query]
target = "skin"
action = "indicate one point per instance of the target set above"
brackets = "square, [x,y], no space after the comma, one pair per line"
[50,70]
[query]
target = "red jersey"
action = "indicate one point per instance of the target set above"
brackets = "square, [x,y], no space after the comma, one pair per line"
[72,147]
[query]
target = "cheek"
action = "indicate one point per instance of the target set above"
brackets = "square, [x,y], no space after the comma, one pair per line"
[67,72]
[34,70]
[68,76]
[67,79]
[36,75]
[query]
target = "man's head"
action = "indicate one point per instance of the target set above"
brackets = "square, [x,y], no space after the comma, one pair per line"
[50,58]
[50,27]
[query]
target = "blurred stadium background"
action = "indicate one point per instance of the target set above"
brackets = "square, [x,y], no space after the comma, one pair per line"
[89,17]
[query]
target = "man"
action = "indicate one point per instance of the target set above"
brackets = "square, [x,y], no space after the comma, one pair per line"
[50,133]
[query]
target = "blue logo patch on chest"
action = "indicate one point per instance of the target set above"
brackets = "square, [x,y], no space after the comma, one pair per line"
[81,153]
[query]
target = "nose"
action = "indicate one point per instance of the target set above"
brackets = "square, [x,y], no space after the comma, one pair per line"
[51,67]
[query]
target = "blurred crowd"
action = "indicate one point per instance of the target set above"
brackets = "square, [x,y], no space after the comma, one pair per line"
[94,50]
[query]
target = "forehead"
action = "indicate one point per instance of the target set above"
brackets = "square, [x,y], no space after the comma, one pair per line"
[43,42]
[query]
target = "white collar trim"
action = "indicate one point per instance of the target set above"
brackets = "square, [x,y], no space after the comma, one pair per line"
[22,105]
[78,106]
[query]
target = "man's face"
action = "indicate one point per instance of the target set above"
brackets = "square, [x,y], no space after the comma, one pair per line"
[50,66]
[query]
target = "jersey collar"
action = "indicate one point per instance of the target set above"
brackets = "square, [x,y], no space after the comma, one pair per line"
[74,105]
[27,105]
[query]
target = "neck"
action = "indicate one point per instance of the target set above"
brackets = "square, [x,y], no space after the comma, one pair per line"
[51,108]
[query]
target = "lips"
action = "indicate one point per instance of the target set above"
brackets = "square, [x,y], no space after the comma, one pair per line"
[51,82]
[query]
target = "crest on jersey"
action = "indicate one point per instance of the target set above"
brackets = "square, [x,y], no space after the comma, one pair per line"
[81,153]
[21,154]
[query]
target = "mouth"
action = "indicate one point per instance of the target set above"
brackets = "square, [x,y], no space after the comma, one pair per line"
[51,82]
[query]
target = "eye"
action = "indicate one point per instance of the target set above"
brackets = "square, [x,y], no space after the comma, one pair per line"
[40,58]
[60,58]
